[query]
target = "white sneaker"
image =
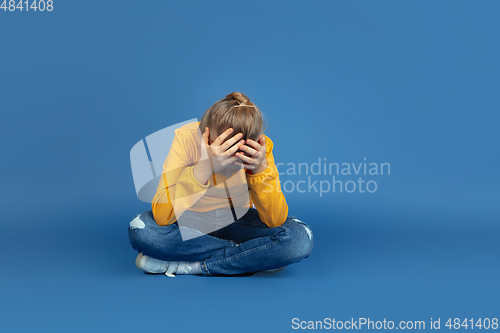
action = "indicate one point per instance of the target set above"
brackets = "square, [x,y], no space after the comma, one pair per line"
[275,270]
[156,266]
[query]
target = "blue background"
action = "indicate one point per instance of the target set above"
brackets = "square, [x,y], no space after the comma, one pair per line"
[410,83]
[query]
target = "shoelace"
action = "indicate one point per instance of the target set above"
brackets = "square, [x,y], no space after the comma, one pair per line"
[179,267]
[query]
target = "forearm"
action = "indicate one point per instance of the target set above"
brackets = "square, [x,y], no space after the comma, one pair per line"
[171,200]
[202,171]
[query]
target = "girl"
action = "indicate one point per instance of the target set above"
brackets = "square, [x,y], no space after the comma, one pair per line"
[219,208]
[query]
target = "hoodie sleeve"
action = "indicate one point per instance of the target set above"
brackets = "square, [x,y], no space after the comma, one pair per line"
[178,188]
[265,191]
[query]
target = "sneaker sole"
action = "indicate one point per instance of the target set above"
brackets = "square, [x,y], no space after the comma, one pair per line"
[275,270]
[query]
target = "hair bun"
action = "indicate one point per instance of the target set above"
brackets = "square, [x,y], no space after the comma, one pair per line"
[237,96]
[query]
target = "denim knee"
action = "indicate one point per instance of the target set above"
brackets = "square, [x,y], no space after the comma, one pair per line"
[139,229]
[300,240]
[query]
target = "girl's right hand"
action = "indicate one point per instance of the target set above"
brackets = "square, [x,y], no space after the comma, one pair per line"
[221,153]
[216,156]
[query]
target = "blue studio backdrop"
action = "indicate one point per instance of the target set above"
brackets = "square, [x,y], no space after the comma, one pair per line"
[384,118]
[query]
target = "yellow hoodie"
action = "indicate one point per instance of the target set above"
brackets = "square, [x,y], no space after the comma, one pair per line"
[179,190]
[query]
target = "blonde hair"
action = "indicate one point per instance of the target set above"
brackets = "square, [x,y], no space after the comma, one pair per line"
[237,112]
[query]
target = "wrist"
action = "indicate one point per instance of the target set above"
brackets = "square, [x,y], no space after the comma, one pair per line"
[259,169]
[202,171]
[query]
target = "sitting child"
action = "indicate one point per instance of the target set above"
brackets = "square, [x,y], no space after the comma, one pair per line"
[219,208]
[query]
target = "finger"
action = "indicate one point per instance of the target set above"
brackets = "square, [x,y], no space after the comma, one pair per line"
[231,141]
[245,165]
[254,144]
[233,149]
[238,163]
[230,160]
[249,150]
[245,159]
[262,141]
[222,137]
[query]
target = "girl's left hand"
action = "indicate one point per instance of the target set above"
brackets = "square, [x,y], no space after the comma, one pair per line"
[257,161]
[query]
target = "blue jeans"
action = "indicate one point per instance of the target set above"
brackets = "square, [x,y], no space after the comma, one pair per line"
[247,245]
